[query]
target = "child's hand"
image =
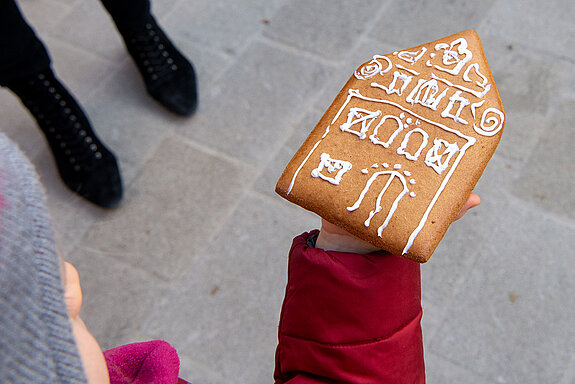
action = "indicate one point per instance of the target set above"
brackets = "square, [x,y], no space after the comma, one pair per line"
[333,238]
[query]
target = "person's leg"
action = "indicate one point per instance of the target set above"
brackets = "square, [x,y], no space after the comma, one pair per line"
[128,14]
[169,77]
[86,166]
[21,53]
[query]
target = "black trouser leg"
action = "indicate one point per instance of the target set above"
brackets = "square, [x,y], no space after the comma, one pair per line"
[128,14]
[22,54]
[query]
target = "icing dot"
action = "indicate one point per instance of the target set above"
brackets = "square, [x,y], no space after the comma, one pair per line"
[407,173]
[405,126]
[412,194]
[375,165]
[385,165]
[402,115]
[412,181]
[397,166]
[409,120]
[432,55]
[364,171]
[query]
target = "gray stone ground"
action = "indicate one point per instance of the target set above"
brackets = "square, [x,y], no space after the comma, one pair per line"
[196,254]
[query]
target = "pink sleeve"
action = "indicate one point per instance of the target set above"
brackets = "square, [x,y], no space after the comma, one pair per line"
[151,362]
[350,318]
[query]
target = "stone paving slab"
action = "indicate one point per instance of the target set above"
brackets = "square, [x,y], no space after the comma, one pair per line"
[196,253]
[526,322]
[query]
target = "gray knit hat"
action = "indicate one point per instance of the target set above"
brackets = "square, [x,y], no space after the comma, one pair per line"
[36,342]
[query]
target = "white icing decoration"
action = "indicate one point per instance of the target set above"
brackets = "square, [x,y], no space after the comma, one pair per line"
[412,194]
[397,166]
[375,166]
[385,165]
[402,115]
[474,106]
[456,98]
[375,140]
[412,57]
[484,84]
[378,207]
[470,141]
[415,73]
[461,87]
[364,171]
[496,121]
[452,57]
[332,165]
[435,156]
[363,116]
[391,89]
[425,93]
[401,150]
[305,161]
[409,120]
[372,68]
[412,182]
[407,173]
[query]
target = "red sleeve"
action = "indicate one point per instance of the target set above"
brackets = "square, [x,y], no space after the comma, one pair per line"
[350,318]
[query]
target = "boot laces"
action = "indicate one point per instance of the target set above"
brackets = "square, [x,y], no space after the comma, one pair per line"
[53,110]
[152,50]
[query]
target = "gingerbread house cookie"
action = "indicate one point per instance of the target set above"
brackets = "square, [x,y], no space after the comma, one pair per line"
[402,146]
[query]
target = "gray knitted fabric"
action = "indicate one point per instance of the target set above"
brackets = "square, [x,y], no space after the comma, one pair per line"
[36,342]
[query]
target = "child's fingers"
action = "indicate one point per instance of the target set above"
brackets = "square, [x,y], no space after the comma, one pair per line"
[72,290]
[472,202]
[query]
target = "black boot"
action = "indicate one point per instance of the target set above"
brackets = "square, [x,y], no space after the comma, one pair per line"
[86,166]
[168,75]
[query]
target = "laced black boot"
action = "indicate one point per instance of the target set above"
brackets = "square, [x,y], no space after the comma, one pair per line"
[86,166]
[169,76]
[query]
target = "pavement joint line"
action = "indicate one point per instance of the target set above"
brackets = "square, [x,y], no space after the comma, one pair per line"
[286,47]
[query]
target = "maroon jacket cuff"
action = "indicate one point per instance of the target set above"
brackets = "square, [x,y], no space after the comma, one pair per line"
[350,318]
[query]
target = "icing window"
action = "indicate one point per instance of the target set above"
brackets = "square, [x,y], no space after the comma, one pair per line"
[361,119]
[402,150]
[439,155]
[328,166]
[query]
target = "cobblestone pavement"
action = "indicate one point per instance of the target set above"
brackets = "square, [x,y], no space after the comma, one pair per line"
[196,254]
